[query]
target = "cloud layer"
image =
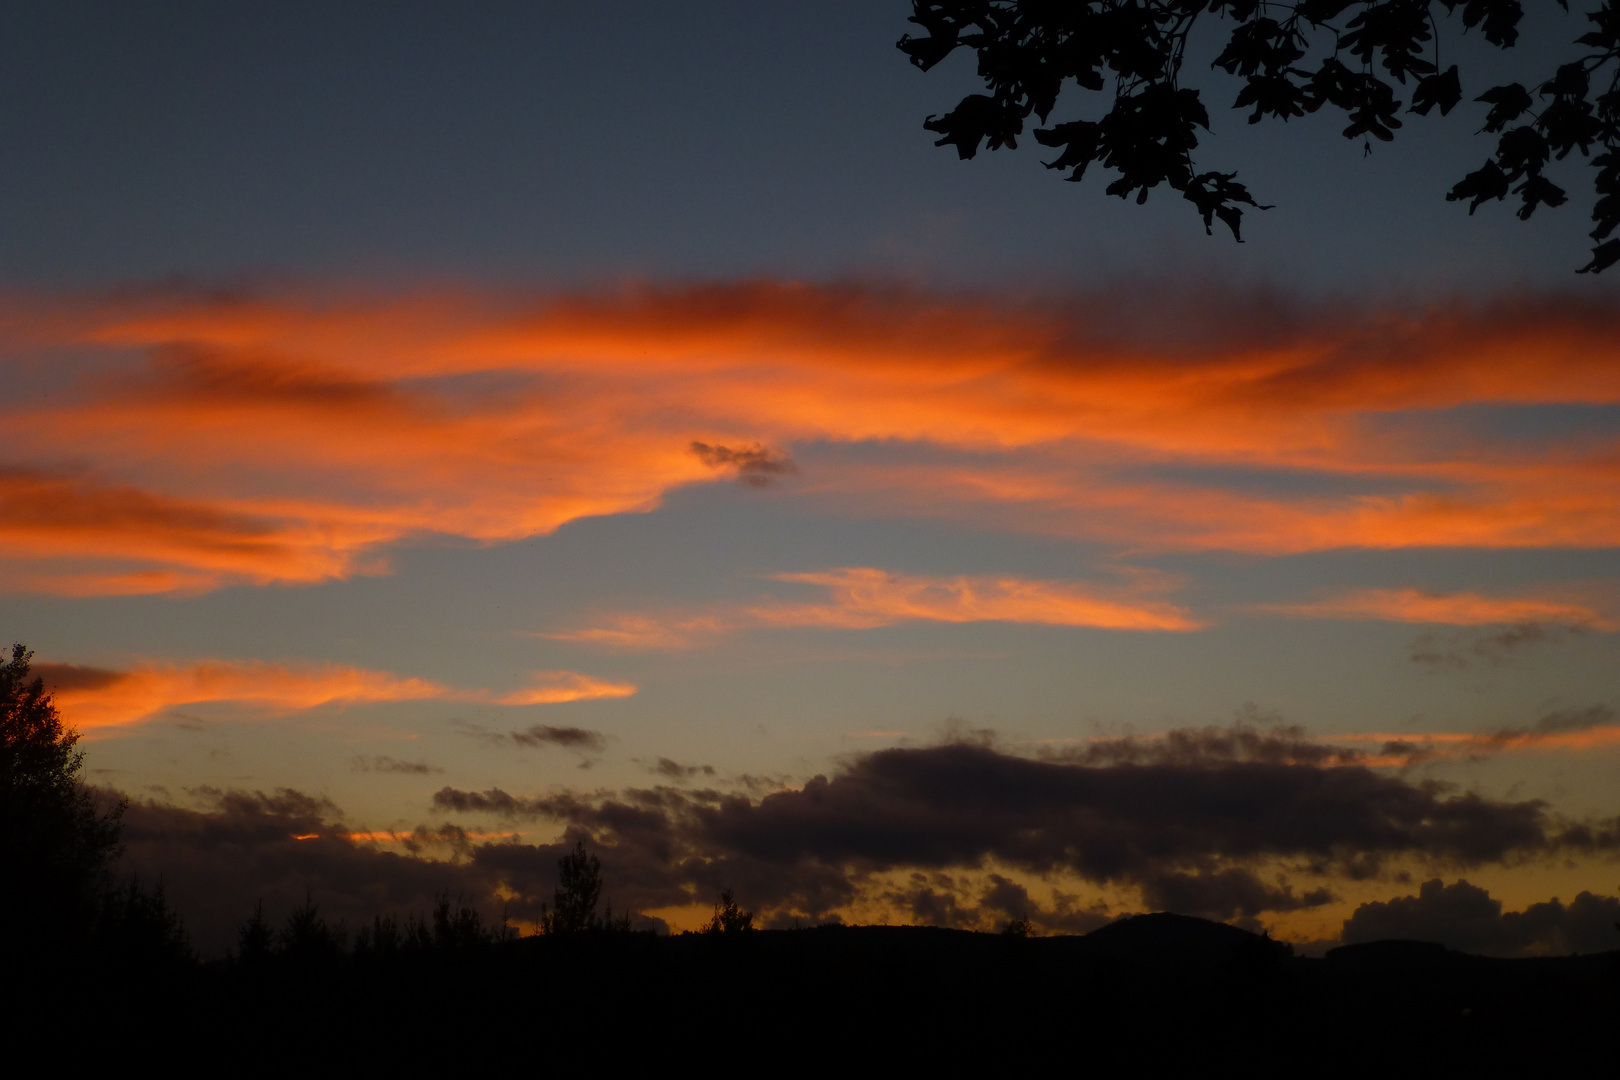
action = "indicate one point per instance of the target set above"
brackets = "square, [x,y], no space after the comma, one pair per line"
[174,442]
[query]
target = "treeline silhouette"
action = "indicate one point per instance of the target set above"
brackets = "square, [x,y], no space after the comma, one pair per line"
[101,969]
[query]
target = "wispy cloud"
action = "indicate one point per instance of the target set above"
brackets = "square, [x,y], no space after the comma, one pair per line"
[1455,609]
[197,446]
[557,687]
[864,598]
[1564,729]
[100,698]
[385,764]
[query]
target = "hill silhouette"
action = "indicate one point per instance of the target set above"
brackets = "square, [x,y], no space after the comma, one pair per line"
[1145,992]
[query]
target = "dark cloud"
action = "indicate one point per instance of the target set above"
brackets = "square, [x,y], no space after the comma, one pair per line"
[955,835]
[385,764]
[1467,918]
[676,771]
[1186,820]
[493,801]
[961,901]
[572,738]
[241,848]
[1225,894]
[1574,720]
[75,677]
[754,464]
[960,804]
[1209,746]
[1464,648]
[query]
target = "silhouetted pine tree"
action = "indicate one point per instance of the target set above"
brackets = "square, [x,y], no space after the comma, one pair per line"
[54,846]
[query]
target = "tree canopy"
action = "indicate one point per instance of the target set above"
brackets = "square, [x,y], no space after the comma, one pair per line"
[1365,58]
[55,846]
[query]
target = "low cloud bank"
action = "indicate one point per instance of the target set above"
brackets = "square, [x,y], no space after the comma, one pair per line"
[1199,822]
[1467,918]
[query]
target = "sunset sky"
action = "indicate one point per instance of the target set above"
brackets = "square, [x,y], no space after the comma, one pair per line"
[446,431]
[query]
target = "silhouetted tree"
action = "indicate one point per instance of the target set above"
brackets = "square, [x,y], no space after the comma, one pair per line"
[579,887]
[1293,59]
[55,847]
[1020,927]
[461,927]
[137,930]
[254,939]
[306,937]
[728,917]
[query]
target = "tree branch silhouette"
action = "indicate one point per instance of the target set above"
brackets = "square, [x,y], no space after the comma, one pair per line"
[1294,59]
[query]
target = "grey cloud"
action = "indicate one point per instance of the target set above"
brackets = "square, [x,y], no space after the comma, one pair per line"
[1467,918]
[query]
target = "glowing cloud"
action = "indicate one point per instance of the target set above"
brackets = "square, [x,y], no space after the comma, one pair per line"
[1456,609]
[91,698]
[864,598]
[556,687]
[176,443]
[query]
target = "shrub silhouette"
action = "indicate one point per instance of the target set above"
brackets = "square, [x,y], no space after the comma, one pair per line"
[55,847]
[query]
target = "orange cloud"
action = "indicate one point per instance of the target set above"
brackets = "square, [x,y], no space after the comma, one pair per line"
[556,687]
[190,443]
[865,598]
[1456,609]
[91,698]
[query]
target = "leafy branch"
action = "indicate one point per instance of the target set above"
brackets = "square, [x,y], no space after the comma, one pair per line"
[1029,50]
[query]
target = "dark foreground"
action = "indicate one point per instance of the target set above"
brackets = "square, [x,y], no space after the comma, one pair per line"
[1141,994]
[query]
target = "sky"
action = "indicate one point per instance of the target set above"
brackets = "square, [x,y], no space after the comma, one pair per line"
[437,435]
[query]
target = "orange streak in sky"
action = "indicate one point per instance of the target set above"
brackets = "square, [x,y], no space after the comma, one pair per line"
[118,698]
[1457,609]
[209,442]
[555,687]
[387,836]
[865,598]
